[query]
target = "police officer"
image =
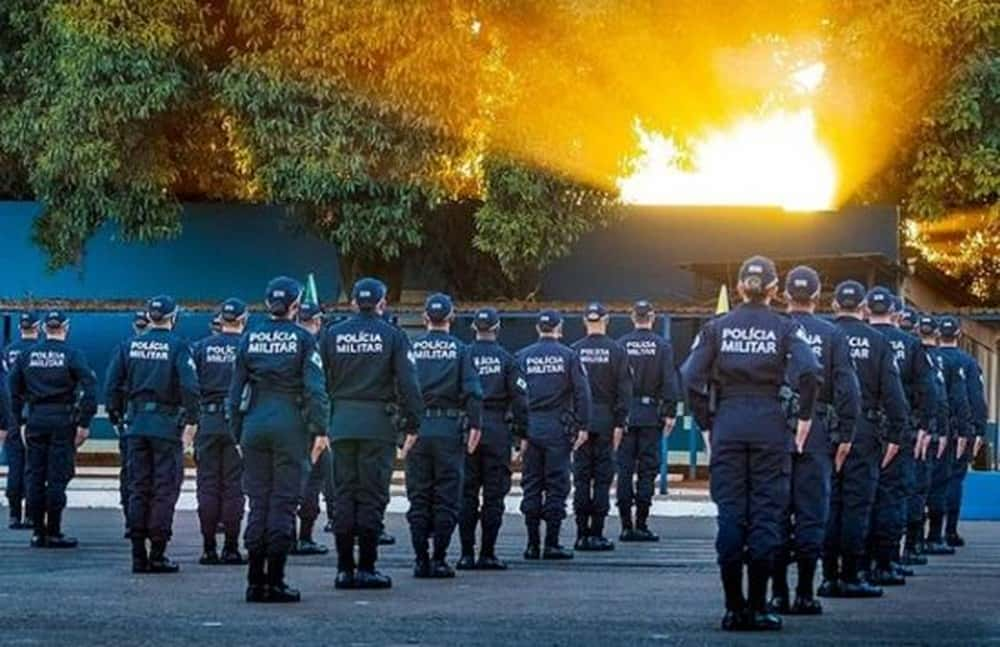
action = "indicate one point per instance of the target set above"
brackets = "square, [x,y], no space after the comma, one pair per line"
[311,319]
[487,469]
[558,419]
[54,395]
[279,412]
[220,466]
[435,458]
[935,443]
[978,413]
[826,447]
[952,442]
[13,443]
[610,378]
[747,355]
[881,423]
[153,386]
[368,361]
[889,512]
[654,402]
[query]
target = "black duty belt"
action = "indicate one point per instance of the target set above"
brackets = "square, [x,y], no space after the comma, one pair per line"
[443,413]
[755,391]
[51,407]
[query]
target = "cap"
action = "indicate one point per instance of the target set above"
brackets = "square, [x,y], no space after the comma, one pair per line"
[880,300]
[927,325]
[28,319]
[161,307]
[486,319]
[549,320]
[595,312]
[802,283]
[909,319]
[55,318]
[368,292]
[950,327]
[643,308]
[232,310]
[282,293]
[309,311]
[438,307]
[849,295]
[758,273]
[140,319]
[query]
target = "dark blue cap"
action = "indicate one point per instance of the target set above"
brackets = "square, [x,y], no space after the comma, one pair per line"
[28,319]
[849,295]
[595,312]
[909,319]
[927,325]
[549,320]
[950,327]
[758,273]
[55,318]
[880,300]
[368,292]
[643,308]
[140,319]
[309,311]
[486,319]
[802,283]
[232,310]
[438,307]
[161,307]
[282,293]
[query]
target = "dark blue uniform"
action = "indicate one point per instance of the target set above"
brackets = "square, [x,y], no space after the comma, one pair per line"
[978,416]
[610,378]
[959,420]
[452,398]
[220,466]
[882,420]
[654,398]
[488,468]
[558,408]
[13,446]
[923,469]
[53,392]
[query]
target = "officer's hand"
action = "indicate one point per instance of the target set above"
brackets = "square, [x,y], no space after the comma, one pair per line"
[581,440]
[24,436]
[919,443]
[3,435]
[188,436]
[320,445]
[976,446]
[408,443]
[890,453]
[616,438]
[474,437]
[82,433]
[960,448]
[843,450]
[239,449]
[926,446]
[942,445]
[668,426]
[802,429]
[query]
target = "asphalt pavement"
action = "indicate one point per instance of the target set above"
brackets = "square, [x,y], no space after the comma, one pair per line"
[640,594]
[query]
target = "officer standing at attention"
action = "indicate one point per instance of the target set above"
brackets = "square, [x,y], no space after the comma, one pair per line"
[279,412]
[610,378]
[654,403]
[854,487]
[558,419]
[153,386]
[978,414]
[13,444]
[936,465]
[220,466]
[54,396]
[368,361]
[435,459]
[747,355]
[488,468]
[825,450]
[311,319]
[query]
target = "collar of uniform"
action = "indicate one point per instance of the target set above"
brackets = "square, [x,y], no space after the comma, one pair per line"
[597,334]
[754,305]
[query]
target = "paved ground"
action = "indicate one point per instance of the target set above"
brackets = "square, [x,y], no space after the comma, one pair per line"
[665,593]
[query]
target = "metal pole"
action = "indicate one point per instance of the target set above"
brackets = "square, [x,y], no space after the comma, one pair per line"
[664,458]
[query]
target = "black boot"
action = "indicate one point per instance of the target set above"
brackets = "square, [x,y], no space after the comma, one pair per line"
[158,561]
[231,551]
[884,574]
[385,539]
[830,586]
[553,550]
[467,562]
[582,533]
[140,557]
[306,545]
[628,531]
[911,555]
[598,541]
[758,616]
[780,600]
[256,576]
[56,539]
[805,604]
[851,584]
[735,618]
[17,521]
[345,562]
[277,590]
[935,545]
[210,553]
[642,531]
[367,577]
[533,551]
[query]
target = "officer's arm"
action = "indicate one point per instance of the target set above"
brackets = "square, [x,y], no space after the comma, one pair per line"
[18,391]
[669,388]
[893,400]
[114,386]
[959,397]
[87,384]
[187,378]
[317,402]
[805,370]
[977,398]
[696,372]
[240,378]
[407,385]
[582,400]
[517,392]
[472,390]
[6,418]
[846,390]
[623,387]
[923,385]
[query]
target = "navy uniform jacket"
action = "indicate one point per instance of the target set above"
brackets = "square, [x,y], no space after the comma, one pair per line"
[610,378]
[753,351]
[503,387]
[215,357]
[154,375]
[840,388]
[449,383]
[558,391]
[52,378]
[278,357]
[6,416]
[915,370]
[369,365]
[654,378]
[881,387]
[978,409]
[957,390]
[941,416]
[15,348]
